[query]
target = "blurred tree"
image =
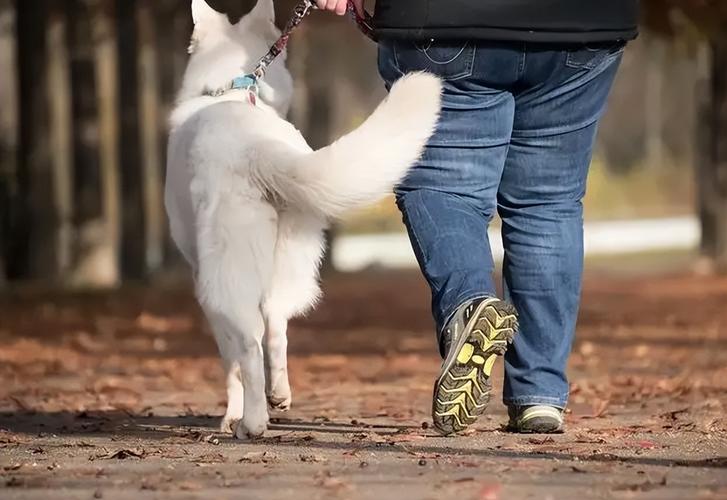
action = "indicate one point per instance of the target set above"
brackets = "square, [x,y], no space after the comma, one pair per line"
[705,20]
[133,262]
[34,226]
[61,132]
[107,96]
[149,92]
[8,130]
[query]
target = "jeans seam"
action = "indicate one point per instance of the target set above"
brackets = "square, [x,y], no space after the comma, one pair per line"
[412,231]
[521,68]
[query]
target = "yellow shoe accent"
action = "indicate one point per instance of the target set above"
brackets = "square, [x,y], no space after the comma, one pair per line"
[460,400]
[500,320]
[486,343]
[465,353]
[489,364]
[459,404]
[466,388]
[472,376]
[454,412]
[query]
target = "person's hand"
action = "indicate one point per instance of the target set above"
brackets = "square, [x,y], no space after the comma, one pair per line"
[340,6]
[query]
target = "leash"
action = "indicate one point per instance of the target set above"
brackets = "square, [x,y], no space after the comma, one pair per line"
[249,82]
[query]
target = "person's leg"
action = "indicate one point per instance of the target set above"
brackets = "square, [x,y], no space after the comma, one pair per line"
[447,201]
[449,198]
[540,202]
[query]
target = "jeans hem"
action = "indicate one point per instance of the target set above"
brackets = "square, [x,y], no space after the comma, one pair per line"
[558,402]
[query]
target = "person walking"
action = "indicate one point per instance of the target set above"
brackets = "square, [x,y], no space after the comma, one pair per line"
[525,84]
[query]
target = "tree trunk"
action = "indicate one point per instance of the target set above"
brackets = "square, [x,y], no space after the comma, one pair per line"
[8,132]
[97,138]
[718,207]
[34,238]
[149,125]
[712,166]
[87,209]
[653,104]
[702,157]
[107,94]
[132,253]
[61,126]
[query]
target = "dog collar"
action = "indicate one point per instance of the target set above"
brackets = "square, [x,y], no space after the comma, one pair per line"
[243,82]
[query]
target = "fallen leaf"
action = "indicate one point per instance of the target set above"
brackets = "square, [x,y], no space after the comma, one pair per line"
[646,445]
[599,409]
[121,454]
[214,458]
[14,482]
[645,486]
[326,480]
[583,438]
[544,440]
[313,458]
[189,486]
[258,457]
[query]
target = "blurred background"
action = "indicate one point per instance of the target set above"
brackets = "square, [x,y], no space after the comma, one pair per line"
[86,87]
[105,355]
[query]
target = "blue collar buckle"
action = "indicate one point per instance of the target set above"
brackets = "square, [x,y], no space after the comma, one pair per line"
[244,82]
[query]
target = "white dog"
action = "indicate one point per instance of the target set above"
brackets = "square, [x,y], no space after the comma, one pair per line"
[248,200]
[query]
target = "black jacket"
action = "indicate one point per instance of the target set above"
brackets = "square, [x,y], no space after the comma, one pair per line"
[547,21]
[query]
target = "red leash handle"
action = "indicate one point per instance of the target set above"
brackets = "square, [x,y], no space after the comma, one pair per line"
[300,12]
[365,23]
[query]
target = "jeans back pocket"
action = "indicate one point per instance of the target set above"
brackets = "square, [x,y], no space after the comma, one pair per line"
[590,57]
[447,60]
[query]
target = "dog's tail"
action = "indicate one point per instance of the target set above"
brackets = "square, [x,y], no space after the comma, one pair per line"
[366,164]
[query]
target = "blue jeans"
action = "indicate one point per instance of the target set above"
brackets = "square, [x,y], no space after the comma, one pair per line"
[515,137]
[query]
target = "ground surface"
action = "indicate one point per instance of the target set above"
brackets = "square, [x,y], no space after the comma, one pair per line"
[118,396]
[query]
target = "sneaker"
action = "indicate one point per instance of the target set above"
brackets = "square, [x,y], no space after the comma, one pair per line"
[539,419]
[477,334]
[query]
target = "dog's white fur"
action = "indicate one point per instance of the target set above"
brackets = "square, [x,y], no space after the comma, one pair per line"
[248,200]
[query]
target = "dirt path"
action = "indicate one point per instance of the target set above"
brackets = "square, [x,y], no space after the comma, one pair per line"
[118,396]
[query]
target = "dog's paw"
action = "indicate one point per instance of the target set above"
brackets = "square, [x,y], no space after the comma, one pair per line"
[229,424]
[279,404]
[248,432]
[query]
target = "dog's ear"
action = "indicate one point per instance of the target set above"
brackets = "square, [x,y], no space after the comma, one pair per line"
[264,10]
[260,20]
[206,21]
[203,14]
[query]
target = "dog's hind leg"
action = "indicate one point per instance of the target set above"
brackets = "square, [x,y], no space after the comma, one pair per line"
[276,351]
[293,291]
[252,369]
[247,414]
[236,242]
[230,354]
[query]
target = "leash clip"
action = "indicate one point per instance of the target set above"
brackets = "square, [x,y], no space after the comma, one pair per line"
[248,83]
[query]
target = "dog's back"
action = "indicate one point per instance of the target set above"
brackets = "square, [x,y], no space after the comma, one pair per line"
[248,202]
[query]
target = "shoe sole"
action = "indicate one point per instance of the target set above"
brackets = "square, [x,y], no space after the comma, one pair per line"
[546,420]
[538,426]
[462,391]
